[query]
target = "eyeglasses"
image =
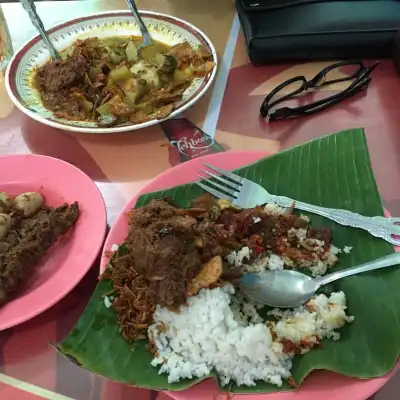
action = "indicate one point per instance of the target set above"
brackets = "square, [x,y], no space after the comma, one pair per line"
[360,77]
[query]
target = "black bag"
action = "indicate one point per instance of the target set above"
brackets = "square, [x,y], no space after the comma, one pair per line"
[289,30]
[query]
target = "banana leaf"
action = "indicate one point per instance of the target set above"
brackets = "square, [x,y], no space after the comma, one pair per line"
[333,171]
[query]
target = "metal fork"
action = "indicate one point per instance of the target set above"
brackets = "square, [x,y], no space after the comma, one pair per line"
[245,193]
[30,8]
[147,39]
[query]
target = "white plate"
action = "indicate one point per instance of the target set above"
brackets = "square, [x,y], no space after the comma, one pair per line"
[163,28]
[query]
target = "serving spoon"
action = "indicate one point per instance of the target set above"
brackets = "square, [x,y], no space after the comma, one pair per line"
[30,8]
[147,40]
[288,288]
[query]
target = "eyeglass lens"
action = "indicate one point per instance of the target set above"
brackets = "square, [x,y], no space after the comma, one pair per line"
[341,73]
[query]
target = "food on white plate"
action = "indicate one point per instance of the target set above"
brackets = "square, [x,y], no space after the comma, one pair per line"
[28,229]
[105,80]
[174,284]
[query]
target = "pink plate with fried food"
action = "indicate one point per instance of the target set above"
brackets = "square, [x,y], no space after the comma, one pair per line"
[70,258]
[320,384]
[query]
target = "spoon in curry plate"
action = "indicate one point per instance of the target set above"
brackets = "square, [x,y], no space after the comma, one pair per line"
[288,288]
[30,8]
[147,40]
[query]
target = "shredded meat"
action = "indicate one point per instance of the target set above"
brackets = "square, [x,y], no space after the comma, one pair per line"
[28,240]
[169,243]
[60,74]
[172,253]
[160,258]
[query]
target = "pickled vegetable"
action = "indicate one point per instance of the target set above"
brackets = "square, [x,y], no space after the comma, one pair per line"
[135,91]
[189,72]
[147,72]
[145,107]
[94,71]
[166,63]
[103,109]
[180,76]
[121,74]
[131,51]
[115,58]
[130,100]
[88,106]
[87,80]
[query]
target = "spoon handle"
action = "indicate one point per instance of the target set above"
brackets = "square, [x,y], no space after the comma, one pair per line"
[388,261]
[30,8]
[143,29]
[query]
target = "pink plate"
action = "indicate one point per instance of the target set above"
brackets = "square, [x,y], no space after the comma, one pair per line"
[320,384]
[70,258]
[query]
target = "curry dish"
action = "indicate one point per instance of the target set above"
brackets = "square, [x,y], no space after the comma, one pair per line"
[110,82]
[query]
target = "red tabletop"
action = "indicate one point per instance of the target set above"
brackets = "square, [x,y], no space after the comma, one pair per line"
[121,164]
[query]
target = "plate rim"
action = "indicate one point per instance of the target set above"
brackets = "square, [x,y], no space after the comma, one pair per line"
[117,129]
[96,249]
[375,384]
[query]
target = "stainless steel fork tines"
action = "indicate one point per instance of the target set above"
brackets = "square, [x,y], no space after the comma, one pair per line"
[245,193]
[231,186]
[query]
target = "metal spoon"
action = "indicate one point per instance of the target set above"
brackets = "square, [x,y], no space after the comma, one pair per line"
[289,288]
[30,8]
[147,40]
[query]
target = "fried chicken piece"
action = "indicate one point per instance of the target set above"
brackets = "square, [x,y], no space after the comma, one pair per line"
[209,274]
